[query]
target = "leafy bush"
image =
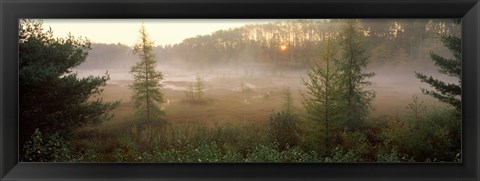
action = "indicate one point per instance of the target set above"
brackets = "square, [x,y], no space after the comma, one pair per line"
[128,149]
[283,129]
[204,153]
[356,141]
[434,137]
[264,153]
[213,152]
[52,149]
[271,153]
[338,155]
[296,154]
[40,149]
[389,157]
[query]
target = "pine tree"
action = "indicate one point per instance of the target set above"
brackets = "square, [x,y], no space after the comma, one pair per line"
[199,87]
[284,124]
[195,91]
[52,99]
[354,60]
[288,101]
[146,86]
[189,93]
[417,109]
[323,87]
[449,93]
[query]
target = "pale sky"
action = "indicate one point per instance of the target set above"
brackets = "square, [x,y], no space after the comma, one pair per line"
[125,31]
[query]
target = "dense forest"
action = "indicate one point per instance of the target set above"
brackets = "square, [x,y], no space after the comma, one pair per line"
[400,40]
[369,90]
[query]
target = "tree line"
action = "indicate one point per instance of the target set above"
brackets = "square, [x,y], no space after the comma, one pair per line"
[396,40]
[295,43]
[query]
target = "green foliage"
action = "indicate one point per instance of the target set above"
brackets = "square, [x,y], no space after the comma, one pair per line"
[433,138]
[146,85]
[357,141]
[355,59]
[296,154]
[203,153]
[128,149]
[39,149]
[188,143]
[53,148]
[212,152]
[389,157]
[52,98]
[403,141]
[271,153]
[416,108]
[284,129]
[322,97]
[338,156]
[284,125]
[449,93]
[176,152]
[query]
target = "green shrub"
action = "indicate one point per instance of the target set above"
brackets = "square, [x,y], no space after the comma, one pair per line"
[204,153]
[357,141]
[272,153]
[264,153]
[338,155]
[128,149]
[389,157]
[53,149]
[40,149]
[296,154]
[433,138]
[283,129]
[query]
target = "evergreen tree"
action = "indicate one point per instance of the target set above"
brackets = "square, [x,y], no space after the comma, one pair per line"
[146,85]
[416,109]
[323,87]
[288,101]
[283,129]
[199,87]
[195,91]
[284,124]
[449,93]
[53,100]
[189,93]
[354,60]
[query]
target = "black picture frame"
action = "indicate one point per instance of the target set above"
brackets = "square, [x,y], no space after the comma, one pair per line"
[11,11]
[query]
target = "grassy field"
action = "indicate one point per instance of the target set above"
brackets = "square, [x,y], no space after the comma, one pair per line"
[234,117]
[236,110]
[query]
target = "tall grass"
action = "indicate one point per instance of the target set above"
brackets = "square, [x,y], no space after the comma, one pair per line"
[177,142]
[429,138]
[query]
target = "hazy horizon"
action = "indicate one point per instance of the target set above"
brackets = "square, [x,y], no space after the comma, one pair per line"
[162,31]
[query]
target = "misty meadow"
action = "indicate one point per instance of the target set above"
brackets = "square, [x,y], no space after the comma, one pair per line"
[305,90]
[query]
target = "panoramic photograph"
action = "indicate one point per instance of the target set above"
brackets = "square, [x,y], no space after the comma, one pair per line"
[240,90]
